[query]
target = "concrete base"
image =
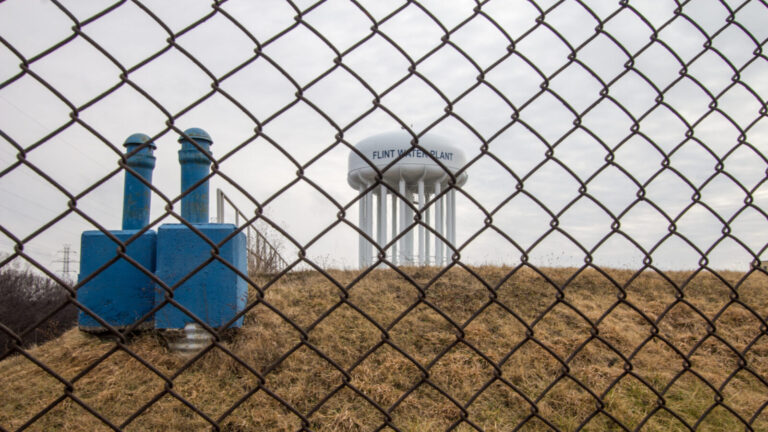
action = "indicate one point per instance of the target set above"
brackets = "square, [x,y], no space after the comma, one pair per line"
[121,293]
[215,293]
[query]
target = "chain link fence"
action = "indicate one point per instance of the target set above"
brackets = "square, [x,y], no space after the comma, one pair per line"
[607,272]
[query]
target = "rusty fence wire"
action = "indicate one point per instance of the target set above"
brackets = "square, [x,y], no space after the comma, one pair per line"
[563,346]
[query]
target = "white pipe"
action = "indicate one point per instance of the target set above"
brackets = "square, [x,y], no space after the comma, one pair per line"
[448,225]
[368,227]
[409,220]
[422,249]
[453,216]
[381,235]
[411,233]
[403,223]
[395,256]
[427,234]
[361,225]
[219,206]
[439,226]
[362,228]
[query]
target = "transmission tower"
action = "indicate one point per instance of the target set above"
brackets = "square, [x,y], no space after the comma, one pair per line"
[66,260]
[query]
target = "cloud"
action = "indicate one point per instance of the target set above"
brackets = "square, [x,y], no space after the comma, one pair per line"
[525,107]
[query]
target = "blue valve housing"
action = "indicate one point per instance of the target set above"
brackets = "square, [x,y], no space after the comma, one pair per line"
[115,289]
[215,293]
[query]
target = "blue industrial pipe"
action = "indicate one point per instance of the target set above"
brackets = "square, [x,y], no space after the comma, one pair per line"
[194,167]
[136,195]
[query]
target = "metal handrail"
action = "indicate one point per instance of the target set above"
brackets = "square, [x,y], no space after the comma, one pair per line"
[267,257]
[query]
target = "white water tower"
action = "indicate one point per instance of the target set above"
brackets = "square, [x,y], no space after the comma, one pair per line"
[419,178]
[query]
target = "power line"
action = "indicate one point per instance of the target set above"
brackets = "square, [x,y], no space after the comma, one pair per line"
[99,206]
[36,121]
[66,261]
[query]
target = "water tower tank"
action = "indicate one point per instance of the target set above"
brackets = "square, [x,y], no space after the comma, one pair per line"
[417,175]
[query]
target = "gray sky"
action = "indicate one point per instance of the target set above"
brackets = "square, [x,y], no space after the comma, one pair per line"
[76,158]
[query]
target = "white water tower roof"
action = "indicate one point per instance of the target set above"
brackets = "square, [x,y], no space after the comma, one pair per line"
[383,149]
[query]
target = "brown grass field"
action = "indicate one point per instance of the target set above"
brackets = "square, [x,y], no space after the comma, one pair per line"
[518,382]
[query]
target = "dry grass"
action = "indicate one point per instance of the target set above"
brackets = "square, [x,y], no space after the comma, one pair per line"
[528,369]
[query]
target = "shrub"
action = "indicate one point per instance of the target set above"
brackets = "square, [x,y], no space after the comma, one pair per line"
[27,299]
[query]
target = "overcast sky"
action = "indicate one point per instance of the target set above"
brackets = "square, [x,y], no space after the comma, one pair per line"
[76,158]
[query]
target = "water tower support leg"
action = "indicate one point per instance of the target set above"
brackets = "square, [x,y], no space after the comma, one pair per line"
[427,235]
[381,235]
[409,238]
[439,226]
[422,249]
[395,256]
[361,225]
[448,225]
[368,227]
[453,217]
[403,222]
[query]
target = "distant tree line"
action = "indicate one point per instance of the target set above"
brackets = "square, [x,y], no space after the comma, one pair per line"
[27,297]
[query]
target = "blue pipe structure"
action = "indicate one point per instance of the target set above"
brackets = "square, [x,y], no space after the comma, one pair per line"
[194,167]
[120,293]
[136,195]
[213,293]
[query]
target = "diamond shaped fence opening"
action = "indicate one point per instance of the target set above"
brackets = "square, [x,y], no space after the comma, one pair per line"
[596,261]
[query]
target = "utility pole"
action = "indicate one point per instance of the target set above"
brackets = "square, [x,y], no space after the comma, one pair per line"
[66,260]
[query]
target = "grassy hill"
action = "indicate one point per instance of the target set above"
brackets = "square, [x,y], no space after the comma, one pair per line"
[326,358]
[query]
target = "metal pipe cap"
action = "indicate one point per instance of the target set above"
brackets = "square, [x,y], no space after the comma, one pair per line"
[138,139]
[196,134]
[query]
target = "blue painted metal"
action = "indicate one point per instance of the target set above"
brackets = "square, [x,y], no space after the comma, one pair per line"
[194,167]
[122,293]
[136,195]
[215,293]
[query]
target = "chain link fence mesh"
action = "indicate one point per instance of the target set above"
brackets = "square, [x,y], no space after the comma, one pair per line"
[522,344]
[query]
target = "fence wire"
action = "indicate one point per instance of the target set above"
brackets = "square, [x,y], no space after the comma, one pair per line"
[510,378]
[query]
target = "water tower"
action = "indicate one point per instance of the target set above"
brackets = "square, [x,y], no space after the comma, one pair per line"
[416,176]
